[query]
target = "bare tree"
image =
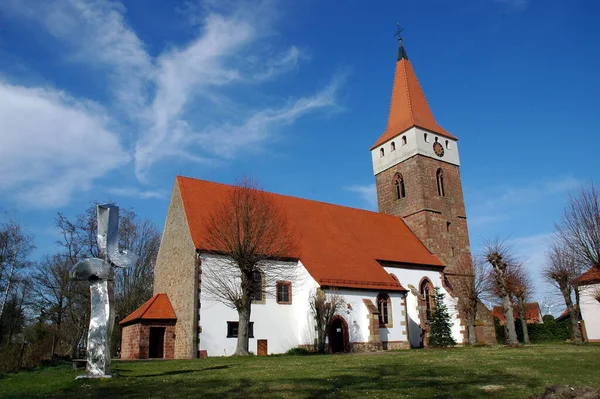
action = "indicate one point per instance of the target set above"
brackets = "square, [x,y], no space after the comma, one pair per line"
[470,289]
[521,287]
[252,234]
[15,247]
[579,229]
[324,307]
[562,270]
[499,255]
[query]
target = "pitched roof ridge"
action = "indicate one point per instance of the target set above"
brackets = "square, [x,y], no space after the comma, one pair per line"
[293,197]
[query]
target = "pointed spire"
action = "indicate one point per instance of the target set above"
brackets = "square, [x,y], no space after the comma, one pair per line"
[401,50]
[408,107]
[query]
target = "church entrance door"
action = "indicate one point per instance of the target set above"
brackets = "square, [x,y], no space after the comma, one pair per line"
[337,336]
[157,343]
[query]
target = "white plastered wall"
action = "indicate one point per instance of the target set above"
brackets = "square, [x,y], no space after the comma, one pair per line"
[287,326]
[413,277]
[283,326]
[356,314]
[590,310]
[415,144]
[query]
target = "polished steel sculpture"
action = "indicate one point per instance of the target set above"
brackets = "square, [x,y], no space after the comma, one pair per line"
[100,273]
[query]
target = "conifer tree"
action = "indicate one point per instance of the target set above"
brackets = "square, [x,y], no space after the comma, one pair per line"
[440,332]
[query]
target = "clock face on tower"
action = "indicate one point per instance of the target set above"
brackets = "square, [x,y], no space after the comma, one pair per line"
[438,149]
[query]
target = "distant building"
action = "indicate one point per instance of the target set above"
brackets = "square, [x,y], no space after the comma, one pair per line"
[589,299]
[533,313]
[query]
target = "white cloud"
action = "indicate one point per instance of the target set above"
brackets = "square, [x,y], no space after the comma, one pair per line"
[97,35]
[212,61]
[368,193]
[52,145]
[133,192]
[182,103]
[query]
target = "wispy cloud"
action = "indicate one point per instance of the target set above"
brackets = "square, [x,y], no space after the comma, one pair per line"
[133,192]
[181,103]
[52,145]
[489,205]
[367,193]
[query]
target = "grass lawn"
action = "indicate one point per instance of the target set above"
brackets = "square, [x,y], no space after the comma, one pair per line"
[496,372]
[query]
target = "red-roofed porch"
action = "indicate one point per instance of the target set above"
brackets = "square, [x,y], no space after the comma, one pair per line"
[149,332]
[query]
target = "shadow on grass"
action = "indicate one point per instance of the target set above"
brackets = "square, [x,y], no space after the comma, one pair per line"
[118,372]
[391,380]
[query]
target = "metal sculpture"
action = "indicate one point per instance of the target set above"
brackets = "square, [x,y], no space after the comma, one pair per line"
[100,274]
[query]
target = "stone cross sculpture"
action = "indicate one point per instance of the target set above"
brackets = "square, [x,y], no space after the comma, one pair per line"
[100,273]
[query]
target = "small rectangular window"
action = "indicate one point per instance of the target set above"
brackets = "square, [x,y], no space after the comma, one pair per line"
[284,292]
[233,326]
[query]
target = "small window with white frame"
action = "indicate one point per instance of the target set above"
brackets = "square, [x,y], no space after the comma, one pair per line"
[393,146]
[381,152]
[425,137]
[403,140]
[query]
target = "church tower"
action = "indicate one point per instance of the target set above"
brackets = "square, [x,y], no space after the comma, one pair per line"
[416,166]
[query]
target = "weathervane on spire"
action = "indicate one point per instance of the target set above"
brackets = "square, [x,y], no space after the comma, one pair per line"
[399,30]
[401,51]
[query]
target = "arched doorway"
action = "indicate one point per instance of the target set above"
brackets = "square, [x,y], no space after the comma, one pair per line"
[338,335]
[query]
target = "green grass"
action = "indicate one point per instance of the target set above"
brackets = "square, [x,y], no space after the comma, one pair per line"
[495,372]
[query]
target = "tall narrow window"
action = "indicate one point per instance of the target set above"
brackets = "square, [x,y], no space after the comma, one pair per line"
[403,140]
[257,286]
[381,152]
[385,309]
[425,137]
[393,146]
[448,226]
[440,182]
[399,189]
[447,144]
[427,298]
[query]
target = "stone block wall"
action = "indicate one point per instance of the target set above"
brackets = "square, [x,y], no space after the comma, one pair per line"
[176,273]
[135,341]
[424,211]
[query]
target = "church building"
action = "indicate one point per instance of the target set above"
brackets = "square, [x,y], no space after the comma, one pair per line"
[383,264]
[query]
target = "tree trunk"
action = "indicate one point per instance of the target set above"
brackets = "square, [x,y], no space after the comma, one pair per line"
[243,340]
[522,316]
[471,323]
[509,321]
[573,315]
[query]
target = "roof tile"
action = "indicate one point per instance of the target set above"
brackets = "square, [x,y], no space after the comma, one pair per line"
[338,246]
[408,106]
[156,308]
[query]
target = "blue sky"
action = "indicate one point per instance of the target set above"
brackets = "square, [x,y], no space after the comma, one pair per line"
[107,100]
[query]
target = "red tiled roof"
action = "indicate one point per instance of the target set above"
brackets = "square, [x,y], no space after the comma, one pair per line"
[592,276]
[532,313]
[338,246]
[408,106]
[156,308]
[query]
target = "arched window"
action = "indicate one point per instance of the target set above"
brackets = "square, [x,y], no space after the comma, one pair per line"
[403,140]
[425,137]
[257,286]
[399,189]
[393,146]
[440,182]
[381,152]
[427,297]
[447,144]
[384,304]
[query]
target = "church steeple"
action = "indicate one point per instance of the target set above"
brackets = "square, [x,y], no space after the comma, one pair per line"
[416,166]
[401,50]
[408,106]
